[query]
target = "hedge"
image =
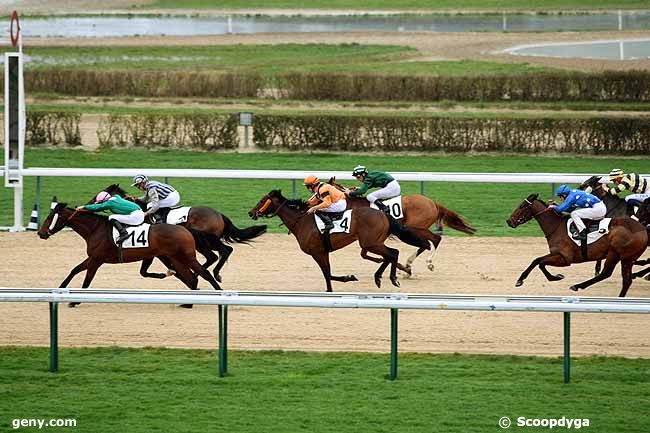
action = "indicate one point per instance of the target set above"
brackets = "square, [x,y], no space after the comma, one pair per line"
[428,134]
[612,86]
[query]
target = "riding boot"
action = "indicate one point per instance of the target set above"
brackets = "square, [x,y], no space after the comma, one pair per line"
[382,207]
[122,231]
[327,220]
[583,243]
[631,207]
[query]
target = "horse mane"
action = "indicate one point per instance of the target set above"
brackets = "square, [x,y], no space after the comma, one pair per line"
[293,203]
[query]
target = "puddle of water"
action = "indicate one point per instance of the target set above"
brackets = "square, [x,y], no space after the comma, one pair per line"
[603,50]
[186,26]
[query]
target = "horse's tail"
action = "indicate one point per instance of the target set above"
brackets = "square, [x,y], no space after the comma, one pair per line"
[233,234]
[408,235]
[452,220]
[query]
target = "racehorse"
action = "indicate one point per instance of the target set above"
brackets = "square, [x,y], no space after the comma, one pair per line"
[616,206]
[626,241]
[419,212]
[215,226]
[369,226]
[173,244]
[643,214]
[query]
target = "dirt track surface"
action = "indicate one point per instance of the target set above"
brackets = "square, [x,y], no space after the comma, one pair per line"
[274,263]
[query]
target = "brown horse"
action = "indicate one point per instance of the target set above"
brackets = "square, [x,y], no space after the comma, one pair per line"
[173,244]
[369,226]
[215,226]
[420,212]
[643,214]
[626,241]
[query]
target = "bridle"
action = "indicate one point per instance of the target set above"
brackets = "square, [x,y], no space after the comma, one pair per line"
[55,219]
[265,206]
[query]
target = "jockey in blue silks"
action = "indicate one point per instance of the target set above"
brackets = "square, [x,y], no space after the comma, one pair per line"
[580,204]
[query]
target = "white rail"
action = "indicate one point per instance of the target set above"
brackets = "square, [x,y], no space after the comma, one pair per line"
[393,302]
[337,300]
[300,174]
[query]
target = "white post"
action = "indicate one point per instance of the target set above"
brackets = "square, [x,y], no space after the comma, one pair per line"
[18,209]
[229,25]
[620,19]
[504,22]
[621,50]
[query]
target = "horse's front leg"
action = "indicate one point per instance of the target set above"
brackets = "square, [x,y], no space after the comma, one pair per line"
[549,259]
[92,266]
[80,267]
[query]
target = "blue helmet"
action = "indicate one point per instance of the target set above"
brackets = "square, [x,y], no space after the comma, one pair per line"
[563,190]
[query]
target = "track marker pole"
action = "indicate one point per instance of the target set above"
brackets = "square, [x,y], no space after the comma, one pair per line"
[54,337]
[393,343]
[567,347]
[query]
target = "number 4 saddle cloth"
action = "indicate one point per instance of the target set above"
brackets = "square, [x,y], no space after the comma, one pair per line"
[341,224]
[138,236]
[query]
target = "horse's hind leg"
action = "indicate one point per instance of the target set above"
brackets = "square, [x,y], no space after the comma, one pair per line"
[394,256]
[608,270]
[210,258]
[381,250]
[144,268]
[185,274]
[224,253]
[626,273]
[364,255]
[204,273]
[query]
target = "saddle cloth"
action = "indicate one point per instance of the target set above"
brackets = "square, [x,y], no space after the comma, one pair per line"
[341,225]
[394,205]
[139,236]
[178,215]
[595,230]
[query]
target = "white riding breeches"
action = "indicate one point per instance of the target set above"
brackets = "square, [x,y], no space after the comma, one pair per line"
[392,189]
[135,218]
[640,197]
[596,212]
[339,206]
[173,199]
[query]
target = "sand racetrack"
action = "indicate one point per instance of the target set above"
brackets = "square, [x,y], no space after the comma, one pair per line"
[463,265]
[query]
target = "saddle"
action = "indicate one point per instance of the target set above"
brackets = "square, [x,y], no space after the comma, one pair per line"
[592,226]
[160,216]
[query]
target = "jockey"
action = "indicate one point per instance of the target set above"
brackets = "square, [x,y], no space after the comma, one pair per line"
[124,212]
[326,199]
[157,195]
[637,185]
[581,204]
[374,179]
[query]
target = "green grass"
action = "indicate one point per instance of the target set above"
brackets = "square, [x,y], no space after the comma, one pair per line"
[485,205]
[268,60]
[166,390]
[498,5]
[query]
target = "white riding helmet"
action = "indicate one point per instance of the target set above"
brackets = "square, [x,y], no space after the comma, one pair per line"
[138,179]
[359,170]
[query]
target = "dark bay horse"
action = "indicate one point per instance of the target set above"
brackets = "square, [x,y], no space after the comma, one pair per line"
[643,214]
[370,227]
[173,244]
[626,241]
[419,212]
[216,227]
[616,206]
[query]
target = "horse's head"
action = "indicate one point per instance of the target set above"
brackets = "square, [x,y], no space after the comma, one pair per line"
[591,185]
[268,205]
[55,221]
[524,212]
[112,190]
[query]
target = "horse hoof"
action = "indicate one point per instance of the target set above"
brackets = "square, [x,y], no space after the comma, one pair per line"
[217,277]
[170,272]
[186,305]
[559,276]
[519,283]
[378,282]
[352,278]
[405,275]
[395,282]
[574,288]
[431,267]
[73,304]
[647,277]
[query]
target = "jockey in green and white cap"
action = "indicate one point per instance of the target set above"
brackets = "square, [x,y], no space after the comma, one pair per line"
[389,187]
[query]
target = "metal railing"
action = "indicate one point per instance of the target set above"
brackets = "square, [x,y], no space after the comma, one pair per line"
[393,302]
